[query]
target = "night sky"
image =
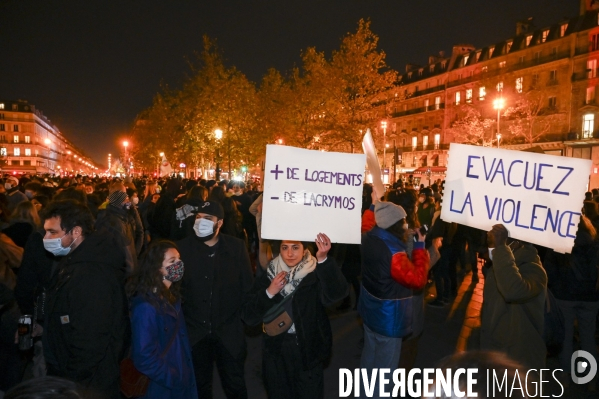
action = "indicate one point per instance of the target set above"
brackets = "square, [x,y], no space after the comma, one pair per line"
[92,66]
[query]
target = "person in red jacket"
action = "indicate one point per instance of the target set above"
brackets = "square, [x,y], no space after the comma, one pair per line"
[388,279]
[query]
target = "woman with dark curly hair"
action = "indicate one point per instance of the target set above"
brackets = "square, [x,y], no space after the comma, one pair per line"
[160,345]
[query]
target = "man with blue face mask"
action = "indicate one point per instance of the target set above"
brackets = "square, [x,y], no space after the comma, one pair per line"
[86,322]
[217,276]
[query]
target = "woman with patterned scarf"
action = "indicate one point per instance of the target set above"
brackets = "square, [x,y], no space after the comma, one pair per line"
[298,286]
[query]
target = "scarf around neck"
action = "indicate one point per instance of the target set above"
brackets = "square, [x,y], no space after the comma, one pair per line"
[295,274]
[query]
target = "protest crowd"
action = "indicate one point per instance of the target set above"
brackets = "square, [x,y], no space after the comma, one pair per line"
[138,287]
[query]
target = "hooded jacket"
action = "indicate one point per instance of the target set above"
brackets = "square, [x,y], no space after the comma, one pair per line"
[87,319]
[512,316]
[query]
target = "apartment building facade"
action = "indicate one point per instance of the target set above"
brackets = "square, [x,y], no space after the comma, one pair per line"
[30,143]
[552,70]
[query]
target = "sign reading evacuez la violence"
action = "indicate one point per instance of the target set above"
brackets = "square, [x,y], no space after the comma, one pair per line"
[537,197]
[308,192]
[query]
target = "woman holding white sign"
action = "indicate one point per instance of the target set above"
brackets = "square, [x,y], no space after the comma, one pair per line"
[289,300]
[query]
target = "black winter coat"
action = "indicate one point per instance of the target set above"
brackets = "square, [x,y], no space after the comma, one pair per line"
[115,221]
[323,287]
[34,273]
[87,323]
[573,277]
[213,289]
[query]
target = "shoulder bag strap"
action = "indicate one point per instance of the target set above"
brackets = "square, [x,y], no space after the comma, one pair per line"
[170,343]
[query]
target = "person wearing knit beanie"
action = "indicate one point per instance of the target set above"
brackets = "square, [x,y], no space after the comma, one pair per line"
[386,214]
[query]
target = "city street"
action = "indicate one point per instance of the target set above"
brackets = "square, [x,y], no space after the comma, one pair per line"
[447,330]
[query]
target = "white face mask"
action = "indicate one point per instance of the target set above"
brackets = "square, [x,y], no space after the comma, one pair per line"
[203,227]
[491,253]
[7,185]
[54,246]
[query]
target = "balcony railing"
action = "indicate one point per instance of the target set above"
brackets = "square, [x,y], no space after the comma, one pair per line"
[510,68]
[428,147]
[418,110]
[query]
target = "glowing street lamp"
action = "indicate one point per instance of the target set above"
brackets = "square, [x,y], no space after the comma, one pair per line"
[498,104]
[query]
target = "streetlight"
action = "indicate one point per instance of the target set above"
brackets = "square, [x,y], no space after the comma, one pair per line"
[384,126]
[280,141]
[126,144]
[498,104]
[218,134]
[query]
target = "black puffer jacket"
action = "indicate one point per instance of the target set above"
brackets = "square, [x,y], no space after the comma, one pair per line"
[87,322]
[323,287]
[573,277]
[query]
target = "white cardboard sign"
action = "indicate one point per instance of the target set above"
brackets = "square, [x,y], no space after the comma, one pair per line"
[308,192]
[537,197]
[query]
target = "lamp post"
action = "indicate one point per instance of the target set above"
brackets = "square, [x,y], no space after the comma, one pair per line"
[218,134]
[498,104]
[384,126]
[126,144]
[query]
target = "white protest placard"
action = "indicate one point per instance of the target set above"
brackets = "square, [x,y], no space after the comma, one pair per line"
[537,197]
[373,163]
[308,192]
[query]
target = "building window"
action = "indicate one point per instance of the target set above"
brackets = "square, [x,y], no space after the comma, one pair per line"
[15,128]
[432,69]
[457,98]
[424,141]
[414,142]
[465,59]
[27,152]
[17,152]
[592,68]
[552,103]
[519,83]
[3,152]
[469,96]
[502,64]
[15,107]
[443,64]
[588,125]
[544,36]
[426,104]
[553,76]
[528,39]
[500,87]
[590,97]
[15,162]
[535,79]
[491,50]
[508,47]
[2,127]
[409,75]
[482,93]
[562,30]
[27,139]
[1,105]
[437,102]
[15,138]
[437,141]
[27,163]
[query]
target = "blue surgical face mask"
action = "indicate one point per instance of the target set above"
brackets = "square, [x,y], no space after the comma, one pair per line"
[54,246]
